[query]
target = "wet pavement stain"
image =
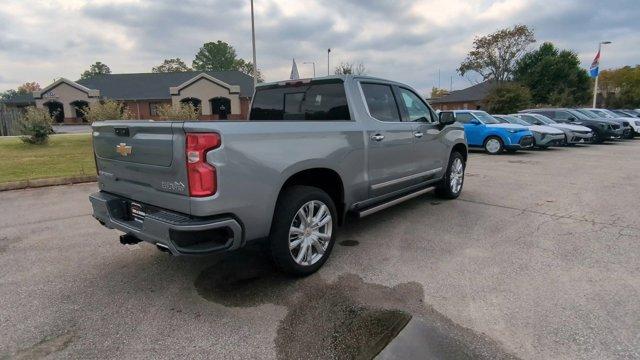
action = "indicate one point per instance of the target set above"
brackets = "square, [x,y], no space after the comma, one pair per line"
[45,347]
[344,319]
[349,243]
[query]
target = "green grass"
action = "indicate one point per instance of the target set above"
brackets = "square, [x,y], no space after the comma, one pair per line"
[62,156]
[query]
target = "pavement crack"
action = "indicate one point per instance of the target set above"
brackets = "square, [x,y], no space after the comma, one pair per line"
[614,223]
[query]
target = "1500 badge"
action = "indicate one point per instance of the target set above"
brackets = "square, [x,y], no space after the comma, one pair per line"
[173,186]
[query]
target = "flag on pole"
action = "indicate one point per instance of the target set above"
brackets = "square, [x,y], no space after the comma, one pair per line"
[294,71]
[595,66]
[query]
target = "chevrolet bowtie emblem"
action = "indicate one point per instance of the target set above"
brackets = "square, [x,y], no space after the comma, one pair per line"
[123,149]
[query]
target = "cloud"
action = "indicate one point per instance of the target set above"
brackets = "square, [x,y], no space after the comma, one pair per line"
[409,41]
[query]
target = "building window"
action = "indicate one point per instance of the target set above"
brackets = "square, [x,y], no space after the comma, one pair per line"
[465,106]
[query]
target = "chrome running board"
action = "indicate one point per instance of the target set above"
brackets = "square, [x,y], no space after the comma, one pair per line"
[393,202]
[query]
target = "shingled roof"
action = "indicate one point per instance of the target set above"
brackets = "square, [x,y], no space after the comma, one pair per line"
[476,92]
[155,86]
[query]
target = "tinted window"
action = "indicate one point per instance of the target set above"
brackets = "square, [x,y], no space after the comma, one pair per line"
[416,108]
[463,118]
[317,101]
[382,105]
[563,115]
[530,119]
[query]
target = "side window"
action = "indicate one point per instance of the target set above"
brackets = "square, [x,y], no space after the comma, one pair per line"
[530,119]
[562,115]
[417,110]
[463,118]
[382,105]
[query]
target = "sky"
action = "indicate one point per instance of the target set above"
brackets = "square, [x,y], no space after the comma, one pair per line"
[419,42]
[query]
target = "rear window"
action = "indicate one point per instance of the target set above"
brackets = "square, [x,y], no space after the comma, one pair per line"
[318,101]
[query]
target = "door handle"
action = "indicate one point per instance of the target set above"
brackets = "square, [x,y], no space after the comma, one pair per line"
[418,134]
[377,137]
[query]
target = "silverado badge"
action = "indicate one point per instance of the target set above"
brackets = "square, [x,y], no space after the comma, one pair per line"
[123,149]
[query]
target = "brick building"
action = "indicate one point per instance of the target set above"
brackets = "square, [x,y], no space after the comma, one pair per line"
[471,98]
[218,94]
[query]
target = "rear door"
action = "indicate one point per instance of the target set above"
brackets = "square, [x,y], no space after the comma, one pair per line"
[391,161]
[144,161]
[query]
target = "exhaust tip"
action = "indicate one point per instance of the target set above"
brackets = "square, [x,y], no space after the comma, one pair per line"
[164,248]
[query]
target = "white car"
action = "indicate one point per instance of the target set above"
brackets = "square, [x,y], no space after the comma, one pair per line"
[574,134]
[544,136]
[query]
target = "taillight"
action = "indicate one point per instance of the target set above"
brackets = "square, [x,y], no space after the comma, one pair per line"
[202,176]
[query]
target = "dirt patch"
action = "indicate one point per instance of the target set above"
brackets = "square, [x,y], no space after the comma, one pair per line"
[46,347]
[344,319]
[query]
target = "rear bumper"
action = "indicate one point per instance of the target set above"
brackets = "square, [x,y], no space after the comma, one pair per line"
[180,233]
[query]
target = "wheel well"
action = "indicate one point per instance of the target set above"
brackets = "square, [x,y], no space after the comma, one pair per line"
[461,149]
[326,179]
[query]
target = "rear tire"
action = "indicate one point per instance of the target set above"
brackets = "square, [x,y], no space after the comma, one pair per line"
[493,145]
[451,185]
[298,245]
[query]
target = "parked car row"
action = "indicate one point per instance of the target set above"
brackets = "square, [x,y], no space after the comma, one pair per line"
[546,127]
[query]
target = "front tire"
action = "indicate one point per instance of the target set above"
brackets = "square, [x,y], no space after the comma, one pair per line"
[303,230]
[451,185]
[597,138]
[493,145]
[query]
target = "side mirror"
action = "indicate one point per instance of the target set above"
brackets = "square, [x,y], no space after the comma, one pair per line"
[446,117]
[571,119]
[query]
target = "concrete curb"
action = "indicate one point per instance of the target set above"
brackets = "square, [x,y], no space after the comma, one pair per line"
[25,184]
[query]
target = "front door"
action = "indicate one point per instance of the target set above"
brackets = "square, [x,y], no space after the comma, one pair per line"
[429,148]
[473,128]
[390,153]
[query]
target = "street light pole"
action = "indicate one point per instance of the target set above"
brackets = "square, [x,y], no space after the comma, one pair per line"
[253,43]
[314,66]
[595,87]
[328,66]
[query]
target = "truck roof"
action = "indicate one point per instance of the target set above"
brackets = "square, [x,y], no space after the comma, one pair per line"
[324,78]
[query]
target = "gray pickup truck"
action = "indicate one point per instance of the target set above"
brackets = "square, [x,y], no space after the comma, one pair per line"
[312,154]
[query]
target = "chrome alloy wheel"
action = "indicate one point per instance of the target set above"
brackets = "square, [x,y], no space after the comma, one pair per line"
[310,233]
[456,175]
[493,145]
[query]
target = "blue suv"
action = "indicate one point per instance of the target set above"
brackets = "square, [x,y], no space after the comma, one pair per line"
[483,130]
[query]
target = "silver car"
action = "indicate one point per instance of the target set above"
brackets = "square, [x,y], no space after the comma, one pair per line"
[544,136]
[574,134]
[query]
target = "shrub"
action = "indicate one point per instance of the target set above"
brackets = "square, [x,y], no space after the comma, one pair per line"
[106,110]
[507,98]
[35,126]
[184,111]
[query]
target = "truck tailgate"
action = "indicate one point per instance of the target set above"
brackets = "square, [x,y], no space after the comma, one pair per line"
[144,161]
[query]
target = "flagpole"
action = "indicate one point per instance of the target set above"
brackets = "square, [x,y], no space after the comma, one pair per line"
[253,42]
[595,86]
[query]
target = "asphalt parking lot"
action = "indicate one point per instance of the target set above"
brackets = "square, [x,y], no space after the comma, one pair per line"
[539,258]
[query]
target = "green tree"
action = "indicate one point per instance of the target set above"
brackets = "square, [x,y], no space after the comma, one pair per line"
[35,126]
[507,98]
[171,65]
[553,76]
[494,56]
[220,56]
[96,69]
[216,56]
[621,87]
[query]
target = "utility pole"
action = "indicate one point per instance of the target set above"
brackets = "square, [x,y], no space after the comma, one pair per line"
[314,66]
[253,43]
[328,62]
[595,87]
